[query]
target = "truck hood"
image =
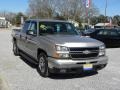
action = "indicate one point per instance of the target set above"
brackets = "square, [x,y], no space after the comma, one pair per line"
[73,41]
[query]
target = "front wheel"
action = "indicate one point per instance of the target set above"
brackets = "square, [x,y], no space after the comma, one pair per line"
[15,49]
[43,65]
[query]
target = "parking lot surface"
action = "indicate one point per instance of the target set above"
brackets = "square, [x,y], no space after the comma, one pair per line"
[21,75]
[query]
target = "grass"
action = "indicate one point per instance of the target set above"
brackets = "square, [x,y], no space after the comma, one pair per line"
[3,84]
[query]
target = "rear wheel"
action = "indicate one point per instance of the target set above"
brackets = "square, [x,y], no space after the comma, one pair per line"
[15,49]
[43,65]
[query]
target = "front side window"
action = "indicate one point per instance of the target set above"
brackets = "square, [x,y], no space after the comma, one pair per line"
[57,28]
[26,26]
[106,32]
[33,27]
[114,33]
[101,32]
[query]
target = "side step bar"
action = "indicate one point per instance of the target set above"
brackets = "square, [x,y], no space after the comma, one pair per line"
[32,60]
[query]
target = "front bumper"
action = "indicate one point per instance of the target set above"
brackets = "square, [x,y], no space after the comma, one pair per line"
[57,64]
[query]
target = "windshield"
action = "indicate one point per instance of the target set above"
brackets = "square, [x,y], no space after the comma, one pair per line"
[57,28]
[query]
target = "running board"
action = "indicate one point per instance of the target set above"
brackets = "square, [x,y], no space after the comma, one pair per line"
[32,60]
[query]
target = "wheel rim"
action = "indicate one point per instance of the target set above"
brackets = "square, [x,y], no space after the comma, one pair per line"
[14,48]
[42,64]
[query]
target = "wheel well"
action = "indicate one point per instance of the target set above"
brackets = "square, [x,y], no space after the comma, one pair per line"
[39,51]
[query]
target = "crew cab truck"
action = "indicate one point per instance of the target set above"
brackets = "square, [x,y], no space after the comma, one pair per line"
[56,47]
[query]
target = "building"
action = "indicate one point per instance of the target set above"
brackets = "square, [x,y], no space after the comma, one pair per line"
[4,23]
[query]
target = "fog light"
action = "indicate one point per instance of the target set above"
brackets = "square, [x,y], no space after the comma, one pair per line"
[63,55]
[101,53]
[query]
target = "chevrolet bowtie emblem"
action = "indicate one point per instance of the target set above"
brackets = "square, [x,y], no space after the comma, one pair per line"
[86,52]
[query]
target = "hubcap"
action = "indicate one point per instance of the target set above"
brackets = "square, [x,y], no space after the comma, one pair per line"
[42,64]
[14,48]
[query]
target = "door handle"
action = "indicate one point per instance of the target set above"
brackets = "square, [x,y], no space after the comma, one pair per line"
[23,37]
[31,41]
[26,37]
[20,36]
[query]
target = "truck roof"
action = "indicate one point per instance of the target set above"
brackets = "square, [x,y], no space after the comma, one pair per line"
[47,20]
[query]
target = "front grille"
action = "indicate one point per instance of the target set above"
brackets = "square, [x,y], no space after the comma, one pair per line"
[83,49]
[84,53]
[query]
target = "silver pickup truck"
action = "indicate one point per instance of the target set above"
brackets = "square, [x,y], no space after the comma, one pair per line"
[56,47]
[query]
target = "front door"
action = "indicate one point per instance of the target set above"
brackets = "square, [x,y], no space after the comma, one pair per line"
[22,37]
[31,42]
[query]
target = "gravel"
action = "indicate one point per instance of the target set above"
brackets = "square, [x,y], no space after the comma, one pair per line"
[21,75]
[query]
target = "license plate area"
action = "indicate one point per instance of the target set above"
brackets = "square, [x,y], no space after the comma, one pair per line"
[87,67]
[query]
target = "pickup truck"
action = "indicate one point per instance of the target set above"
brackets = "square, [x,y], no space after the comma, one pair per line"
[56,47]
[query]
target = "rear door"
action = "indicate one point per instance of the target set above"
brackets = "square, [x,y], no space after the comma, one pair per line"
[99,35]
[109,37]
[114,37]
[102,35]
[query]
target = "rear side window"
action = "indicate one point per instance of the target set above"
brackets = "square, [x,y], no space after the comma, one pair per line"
[104,32]
[26,26]
[119,32]
[114,33]
[108,33]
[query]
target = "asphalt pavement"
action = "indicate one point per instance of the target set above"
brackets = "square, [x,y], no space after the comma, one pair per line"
[22,75]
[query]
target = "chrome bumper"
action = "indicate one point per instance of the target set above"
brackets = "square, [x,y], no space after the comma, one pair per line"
[63,63]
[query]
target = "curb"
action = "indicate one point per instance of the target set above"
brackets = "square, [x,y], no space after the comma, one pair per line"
[3,84]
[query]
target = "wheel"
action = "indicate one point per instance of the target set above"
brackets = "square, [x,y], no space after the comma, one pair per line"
[15,49]
[43,65]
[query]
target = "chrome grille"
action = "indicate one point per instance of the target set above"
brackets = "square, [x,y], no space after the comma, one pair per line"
[84,53]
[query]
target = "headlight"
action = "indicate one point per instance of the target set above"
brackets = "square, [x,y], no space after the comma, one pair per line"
[64,55]
[102,50]
[61,52]
[61,48]
[102,47]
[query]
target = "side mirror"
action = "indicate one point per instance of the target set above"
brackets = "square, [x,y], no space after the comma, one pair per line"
[30,32]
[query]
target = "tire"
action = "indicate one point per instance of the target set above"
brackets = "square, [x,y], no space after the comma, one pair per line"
[43,65]
[15,49]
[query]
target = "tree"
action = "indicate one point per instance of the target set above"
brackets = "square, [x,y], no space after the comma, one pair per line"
[99,19]
[118,23]
[8,15]
[116,20]
[17,18]
[94,20]
[13,18]
[67,9]
[42,8]
[102,19]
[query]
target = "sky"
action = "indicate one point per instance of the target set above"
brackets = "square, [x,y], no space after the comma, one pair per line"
[113,7]
[14,5]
